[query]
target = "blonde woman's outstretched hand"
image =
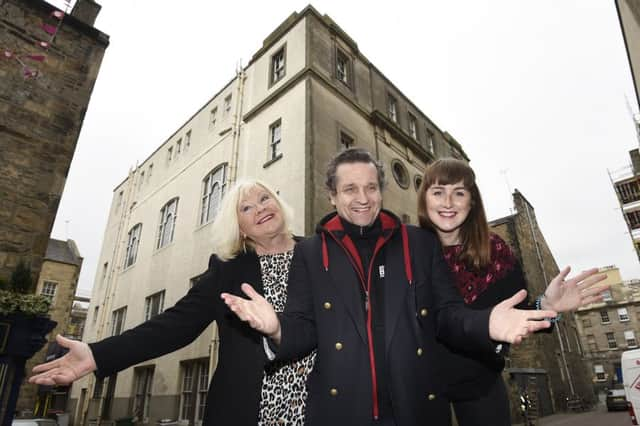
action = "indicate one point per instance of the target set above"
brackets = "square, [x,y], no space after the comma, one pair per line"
[76,363]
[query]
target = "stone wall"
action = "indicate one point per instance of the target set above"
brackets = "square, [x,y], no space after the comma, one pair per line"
[40,120]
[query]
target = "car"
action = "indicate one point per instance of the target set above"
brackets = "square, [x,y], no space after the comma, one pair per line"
[616,400]
[34,422]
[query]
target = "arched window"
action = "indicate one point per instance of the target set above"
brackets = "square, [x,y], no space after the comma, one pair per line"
[213,189]
[168,215]
[400,173]
[132,245]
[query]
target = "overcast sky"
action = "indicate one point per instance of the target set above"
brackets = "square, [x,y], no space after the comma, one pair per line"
[534,91]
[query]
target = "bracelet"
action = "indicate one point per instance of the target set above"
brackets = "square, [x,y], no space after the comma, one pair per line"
[539,308]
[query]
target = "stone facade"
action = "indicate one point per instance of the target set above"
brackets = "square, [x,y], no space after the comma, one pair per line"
[58,280]
[553,359]
[40,119]
[609,328]
[281,127]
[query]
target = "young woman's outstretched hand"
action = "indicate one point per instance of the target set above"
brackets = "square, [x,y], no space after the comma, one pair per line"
[564,295]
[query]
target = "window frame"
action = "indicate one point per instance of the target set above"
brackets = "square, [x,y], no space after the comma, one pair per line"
[604,313]
[412,125]
[118,319]
[133,245]
[392,108]
[344,76]
[275,147]
[611,340]
[623,314]
[168,217]
[279,73]
[206,215]
[157,297]
[47,284]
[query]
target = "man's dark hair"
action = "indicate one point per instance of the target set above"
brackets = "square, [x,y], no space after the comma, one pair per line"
[351,155]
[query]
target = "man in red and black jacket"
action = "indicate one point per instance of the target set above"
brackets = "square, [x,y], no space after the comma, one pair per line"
[372,296]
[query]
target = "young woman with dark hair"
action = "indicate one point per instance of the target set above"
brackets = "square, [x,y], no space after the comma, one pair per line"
[485,272]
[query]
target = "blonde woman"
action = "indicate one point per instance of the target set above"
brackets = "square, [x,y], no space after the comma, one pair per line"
[254,244]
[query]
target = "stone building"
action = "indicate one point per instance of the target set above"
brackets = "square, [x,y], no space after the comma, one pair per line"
[306,93]
[550,363]
[58,281]
[44,93]
[609,328]
[629,17]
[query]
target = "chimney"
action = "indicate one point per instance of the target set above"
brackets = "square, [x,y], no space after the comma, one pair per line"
[86,11]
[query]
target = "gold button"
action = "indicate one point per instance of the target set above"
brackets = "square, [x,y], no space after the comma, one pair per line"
[419,351]
[423,312]
[431,397]
[338,346]
[333,392]
[327,305]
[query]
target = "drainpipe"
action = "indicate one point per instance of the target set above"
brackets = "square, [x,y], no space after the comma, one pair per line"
[236,126]
[546,279]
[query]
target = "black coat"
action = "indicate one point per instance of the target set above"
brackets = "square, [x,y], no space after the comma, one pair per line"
[234,391]
[325,310]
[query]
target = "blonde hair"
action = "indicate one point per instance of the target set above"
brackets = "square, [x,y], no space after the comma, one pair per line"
[227,241]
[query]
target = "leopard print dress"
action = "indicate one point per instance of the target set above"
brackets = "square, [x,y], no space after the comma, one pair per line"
[284,390]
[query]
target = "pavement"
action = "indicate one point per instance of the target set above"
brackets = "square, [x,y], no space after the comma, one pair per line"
[598,417]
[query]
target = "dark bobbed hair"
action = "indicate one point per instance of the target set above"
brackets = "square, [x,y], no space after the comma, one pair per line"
[474,232]
[351,155]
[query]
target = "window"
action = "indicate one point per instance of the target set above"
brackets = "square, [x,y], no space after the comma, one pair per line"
[214,186]
[95,315]
[275,137]
[143,379]
[623,315]
[278,62]
[430,141]
[400,173]
[49,289]
[195,381]
[227,105]
[346,141]
[604,317]
[132,245]
[213,116]
[586,322]
[187,141]
[343,67]
[413,126]
[634,219]
[606,296]
[611,340]
[169,154]
[117,321]
[178,147]
[168,215]
[598,369]
[417,181]
[392,108]
[630,338]
[150,172]
[153,305]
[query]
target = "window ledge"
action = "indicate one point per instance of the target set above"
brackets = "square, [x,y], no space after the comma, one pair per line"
[273,160]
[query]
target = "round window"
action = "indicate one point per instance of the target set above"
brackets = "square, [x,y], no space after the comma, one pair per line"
[417,181]
[400,173]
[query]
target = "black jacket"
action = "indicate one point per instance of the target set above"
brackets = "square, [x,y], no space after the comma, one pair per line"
[325,310]
[234,391]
